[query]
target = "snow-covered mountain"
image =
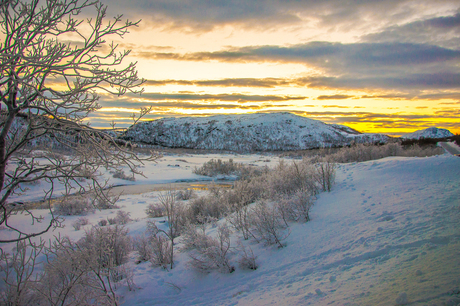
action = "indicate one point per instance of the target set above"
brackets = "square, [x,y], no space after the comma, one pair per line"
[248,132]
[432,132]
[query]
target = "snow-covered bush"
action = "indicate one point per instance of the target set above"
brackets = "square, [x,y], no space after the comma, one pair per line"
[120,174]
[160,251]
[295,207]
[267,224]
[110,245]
[75,205]
[155,210]
[123,217]
[247,258]
[212,253]
[142,246]
[155,247]
[208,206]
[77,224]
[364,152]
[161,241]
[184,195]
[240,219]
[78,274]
[325,173]
[216,167]
[17,274]
[288,178]
[416,150]
[106,202]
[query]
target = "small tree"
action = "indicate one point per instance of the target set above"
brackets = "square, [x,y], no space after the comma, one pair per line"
[49,86]
[173,216]
[325,173]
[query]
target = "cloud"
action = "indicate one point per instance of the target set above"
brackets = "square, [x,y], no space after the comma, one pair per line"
[356,65]
[233,82]
[334,97]
[336,57]
[235,97]
[203,15]
[442,31]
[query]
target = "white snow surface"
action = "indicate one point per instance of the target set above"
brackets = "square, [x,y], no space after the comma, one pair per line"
[432,132]
[246,133]
[387,233]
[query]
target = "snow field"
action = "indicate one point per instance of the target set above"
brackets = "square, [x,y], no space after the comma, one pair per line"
[387,234]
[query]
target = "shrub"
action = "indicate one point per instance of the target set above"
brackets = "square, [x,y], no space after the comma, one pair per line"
[120,174]
[102,222]
[184,195]
[155,247]
[247,258]
[268,225]
[160,251]
[240,219]
[155,210]
[161,242]
[212,253]
[110,245]
[215,167]
[75,205]
[142,246]
[74,274]
[17,274]
[207,207]
[106,202]
[296,207]
[325,173]
[77,224]
[364,152]
[121,218]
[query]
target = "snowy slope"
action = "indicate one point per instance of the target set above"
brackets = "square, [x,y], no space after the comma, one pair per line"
[388,233]
[248,132]
[432,132]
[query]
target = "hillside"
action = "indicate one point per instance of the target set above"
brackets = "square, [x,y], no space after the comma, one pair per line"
[248,132]
[432,132]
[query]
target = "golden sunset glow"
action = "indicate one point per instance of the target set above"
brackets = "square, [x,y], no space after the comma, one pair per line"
[388,67]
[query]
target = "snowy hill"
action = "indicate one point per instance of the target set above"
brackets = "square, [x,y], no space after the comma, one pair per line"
[432,132]
[248,132]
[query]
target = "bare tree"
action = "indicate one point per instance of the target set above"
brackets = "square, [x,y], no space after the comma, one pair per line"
[17,272]
[173,214]
[48,86]
[325,173]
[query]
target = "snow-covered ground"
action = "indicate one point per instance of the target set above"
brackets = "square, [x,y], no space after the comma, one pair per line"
[165,170]
[388,233]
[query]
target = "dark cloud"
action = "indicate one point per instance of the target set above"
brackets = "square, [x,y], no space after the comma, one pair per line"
[205,15]
[242,98]
[127,102]
[334,97]
[443,31]
[358,65]
[235,82]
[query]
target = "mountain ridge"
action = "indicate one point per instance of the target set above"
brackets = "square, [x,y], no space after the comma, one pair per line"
[247,132]
[431,132]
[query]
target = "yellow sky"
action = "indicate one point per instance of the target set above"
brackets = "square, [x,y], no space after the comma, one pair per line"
[391,69]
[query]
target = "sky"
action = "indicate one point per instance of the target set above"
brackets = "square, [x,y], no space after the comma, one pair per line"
[377,66]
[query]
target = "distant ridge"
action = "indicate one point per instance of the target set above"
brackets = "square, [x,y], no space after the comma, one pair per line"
[247,132]
[432,132]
